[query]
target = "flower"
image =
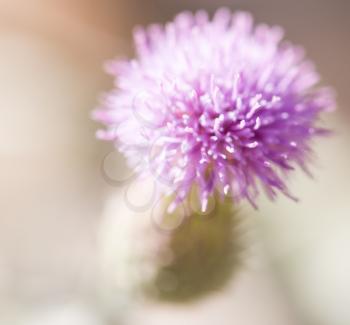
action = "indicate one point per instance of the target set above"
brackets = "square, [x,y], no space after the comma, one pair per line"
[219,105]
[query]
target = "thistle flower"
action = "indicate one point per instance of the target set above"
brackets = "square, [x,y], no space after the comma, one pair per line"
[219,105]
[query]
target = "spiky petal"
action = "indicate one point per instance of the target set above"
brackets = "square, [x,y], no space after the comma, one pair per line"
[218,104]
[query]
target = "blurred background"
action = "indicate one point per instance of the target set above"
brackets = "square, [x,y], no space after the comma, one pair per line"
[53,196]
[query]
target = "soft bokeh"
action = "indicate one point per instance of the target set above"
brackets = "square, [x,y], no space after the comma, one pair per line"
[53,195]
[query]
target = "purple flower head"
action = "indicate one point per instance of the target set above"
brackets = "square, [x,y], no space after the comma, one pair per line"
[218,105]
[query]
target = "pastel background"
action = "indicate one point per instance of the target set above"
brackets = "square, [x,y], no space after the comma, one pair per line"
[53,196]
